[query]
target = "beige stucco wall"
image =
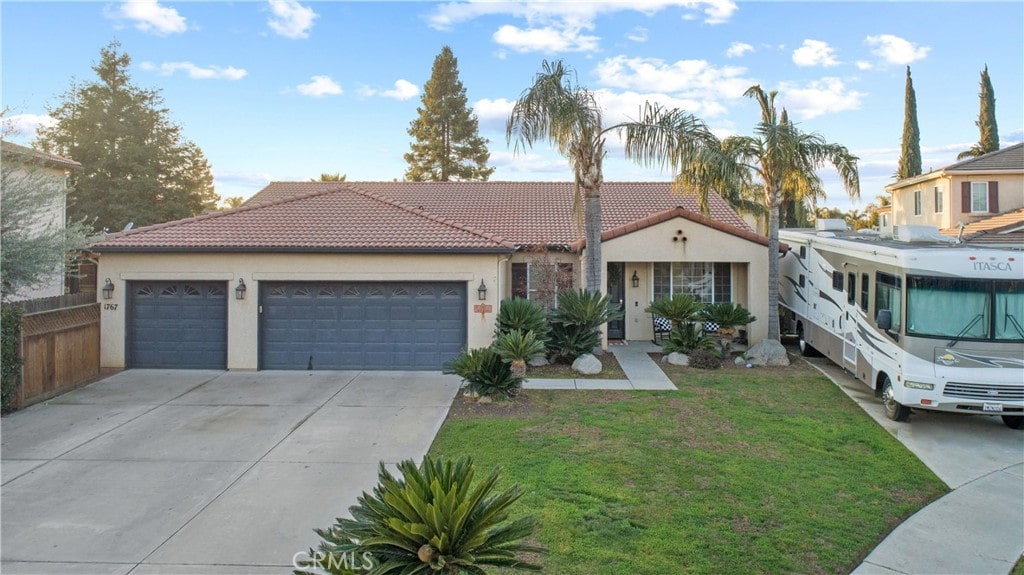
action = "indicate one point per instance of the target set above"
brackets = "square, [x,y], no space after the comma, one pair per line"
[1011,197]
[703,244]
[242,315]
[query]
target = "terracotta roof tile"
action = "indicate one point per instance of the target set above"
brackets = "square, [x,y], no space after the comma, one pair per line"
[1005,228]
[33,154]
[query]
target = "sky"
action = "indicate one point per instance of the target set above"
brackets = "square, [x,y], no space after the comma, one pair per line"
[284,90]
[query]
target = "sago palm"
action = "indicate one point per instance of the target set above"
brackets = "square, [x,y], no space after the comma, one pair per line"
[517,347]
[677,308]
[432,519]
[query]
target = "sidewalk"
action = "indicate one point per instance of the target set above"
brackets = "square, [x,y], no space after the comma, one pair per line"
[976,528]
[641,371]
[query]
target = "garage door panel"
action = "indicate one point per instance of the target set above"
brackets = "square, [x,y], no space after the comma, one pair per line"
[177,324]
[361,325]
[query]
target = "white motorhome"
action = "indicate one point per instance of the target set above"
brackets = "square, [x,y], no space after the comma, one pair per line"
[926,323]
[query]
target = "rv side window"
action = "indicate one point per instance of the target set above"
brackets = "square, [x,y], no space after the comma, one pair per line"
[802,280]
[864,292]
[803,252]
[889,296]
[837,281]
[851,288]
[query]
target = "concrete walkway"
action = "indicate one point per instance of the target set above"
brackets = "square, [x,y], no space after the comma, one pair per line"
[641,371]
[976,528]
[154,472]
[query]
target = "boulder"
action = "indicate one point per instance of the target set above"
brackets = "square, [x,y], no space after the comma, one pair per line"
[539,361]
[767,352]
[587,364]
[485,399]
[739,360]
[676,358]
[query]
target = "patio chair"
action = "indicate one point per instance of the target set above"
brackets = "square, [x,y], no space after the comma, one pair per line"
[662,327]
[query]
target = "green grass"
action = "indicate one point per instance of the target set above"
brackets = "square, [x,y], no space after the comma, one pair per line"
[742,471]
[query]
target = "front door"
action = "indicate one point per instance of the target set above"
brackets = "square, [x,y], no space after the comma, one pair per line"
[617,295]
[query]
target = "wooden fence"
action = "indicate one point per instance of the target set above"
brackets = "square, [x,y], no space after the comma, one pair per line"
[60,349]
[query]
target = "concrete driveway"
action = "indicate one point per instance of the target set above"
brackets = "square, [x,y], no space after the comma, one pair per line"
[202,472]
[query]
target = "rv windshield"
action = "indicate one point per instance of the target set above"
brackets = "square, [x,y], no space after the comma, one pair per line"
[959,308]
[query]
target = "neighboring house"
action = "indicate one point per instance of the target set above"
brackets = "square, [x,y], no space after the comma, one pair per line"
[1006,230]
[403,275]
[963,192]
[27,167]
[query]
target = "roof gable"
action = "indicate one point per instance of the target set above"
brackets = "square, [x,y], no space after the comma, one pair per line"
[661,217]
[31,154]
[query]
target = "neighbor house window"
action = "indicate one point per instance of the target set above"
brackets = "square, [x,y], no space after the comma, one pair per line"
[917,202]
[979,196]
[707,281]
[939,204]
[541,282]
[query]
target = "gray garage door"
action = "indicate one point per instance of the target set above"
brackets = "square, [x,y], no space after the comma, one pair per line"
[177,325]
[361,325]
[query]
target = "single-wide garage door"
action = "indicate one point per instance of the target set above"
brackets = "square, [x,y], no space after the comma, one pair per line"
[178,324]
[361,325]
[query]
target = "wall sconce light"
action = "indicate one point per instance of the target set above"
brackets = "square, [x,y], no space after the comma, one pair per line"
[481,291]
[108,289]
[240,289]
[636,279]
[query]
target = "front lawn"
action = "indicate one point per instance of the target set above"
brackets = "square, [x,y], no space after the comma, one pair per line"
[742,471]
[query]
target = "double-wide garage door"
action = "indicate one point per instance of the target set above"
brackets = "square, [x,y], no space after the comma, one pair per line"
[177,324]
[361,325]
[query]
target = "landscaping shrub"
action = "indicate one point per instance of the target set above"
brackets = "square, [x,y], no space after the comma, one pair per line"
[431,519]
[685,339]
[575,324]
[524,315]
[678,308]
[705,359]
[10,360]
[485,372]
[517,347]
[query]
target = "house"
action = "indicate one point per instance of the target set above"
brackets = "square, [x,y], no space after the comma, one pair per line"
[964,192]
[403,275]
[32,168]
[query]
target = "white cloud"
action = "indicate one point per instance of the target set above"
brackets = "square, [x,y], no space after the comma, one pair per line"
[691,79]
[150,16]
[319,86]
[815,53]
[895,50]
[532,163]
[825,96]
[404,90]
[637,34]
[195,72]
[24,126]
[864,65]
[290,19]
[545,39]
[738,49]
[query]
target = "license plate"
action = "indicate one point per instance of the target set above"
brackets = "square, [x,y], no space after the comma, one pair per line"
[992,407]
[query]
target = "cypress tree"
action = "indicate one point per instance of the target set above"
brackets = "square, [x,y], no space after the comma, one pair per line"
[446,143]
[910,150]
[987,128]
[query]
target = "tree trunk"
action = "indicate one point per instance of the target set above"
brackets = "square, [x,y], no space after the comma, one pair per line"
[592,223]
[774,194]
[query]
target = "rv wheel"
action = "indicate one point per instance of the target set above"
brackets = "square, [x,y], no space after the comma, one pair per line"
[1013,421]
[805,348]
[893,409]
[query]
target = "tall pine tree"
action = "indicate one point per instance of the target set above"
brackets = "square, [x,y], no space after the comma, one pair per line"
[987,128]
[910,149]
[447,145]
[136,166]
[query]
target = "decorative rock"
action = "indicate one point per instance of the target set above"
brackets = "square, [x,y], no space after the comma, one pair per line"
[767,352]
[470,394]
[539,361]
[676,358]
[485,399]
[739,360]
[587,364]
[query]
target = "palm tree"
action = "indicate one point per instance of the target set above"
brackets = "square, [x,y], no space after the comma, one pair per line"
[557,109]
[778,157]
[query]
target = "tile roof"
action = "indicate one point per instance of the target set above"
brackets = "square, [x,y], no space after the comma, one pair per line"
[413,216]
[33,154]
[1008,158]
[329,220]
[1005,228]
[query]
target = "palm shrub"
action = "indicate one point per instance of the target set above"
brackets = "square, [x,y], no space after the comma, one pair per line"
[484,372]
[517,347]
[687,338]
[728,316]
[432,520]
[524,315]
[677,308]
[576,323]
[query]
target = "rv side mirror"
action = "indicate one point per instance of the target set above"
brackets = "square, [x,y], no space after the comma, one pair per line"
[884,319]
